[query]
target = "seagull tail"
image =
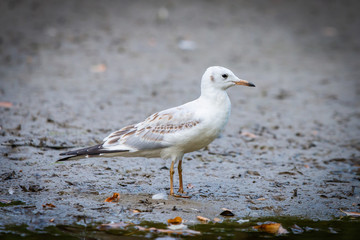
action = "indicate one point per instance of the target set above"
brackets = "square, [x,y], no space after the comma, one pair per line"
[93,151]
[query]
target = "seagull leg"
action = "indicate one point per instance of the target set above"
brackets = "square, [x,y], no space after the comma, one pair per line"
[172,178]
[181,190]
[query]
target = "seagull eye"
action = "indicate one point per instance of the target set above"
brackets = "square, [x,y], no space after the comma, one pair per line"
[225,76]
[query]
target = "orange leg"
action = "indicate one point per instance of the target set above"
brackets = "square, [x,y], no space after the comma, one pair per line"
[181,189]
[172,178]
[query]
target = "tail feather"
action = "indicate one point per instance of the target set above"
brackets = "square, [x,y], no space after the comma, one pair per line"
[94,150]
[89,152]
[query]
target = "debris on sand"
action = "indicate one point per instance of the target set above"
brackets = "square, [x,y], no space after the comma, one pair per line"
[6,104]
[351,214]
[241,221]
[227,213]
[110,226]
[184,232]
[48,206]
[274,228]
[203,219]
[187,45]
[32,188]
[174,221]
[115,198]
[217,220]
[99,68]
[159,196]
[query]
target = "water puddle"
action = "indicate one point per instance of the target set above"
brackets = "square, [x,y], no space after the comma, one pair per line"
[292,228]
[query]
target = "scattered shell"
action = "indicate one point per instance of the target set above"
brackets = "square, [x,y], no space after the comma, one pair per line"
[227,213]
[119,225]
[248,134]
[11,190]
[243,221]
[180,226]
[187,45]
[158,196]
[203,219]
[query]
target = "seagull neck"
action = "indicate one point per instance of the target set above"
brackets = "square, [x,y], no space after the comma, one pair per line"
[214,95]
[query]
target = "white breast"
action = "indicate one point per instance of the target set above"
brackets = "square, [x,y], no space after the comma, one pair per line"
[213,117]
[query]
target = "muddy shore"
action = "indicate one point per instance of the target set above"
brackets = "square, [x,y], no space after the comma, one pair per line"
[71,72]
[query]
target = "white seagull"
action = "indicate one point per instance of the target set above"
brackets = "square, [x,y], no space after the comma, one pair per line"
[173,132]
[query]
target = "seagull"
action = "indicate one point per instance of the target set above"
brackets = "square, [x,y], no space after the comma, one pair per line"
[171,133]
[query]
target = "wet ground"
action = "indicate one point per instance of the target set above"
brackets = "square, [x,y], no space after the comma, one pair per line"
[298,229]
[71,72]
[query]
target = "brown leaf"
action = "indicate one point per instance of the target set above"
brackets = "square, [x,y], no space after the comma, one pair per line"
[351,214]
[48,205]
[268,227]
[203,219]
[274,228]
[6,104]
[114,198]
[176,220]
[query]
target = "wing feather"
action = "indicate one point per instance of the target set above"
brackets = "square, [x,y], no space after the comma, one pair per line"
[154,132]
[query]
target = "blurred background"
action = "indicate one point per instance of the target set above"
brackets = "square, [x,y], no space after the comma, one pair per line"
[73,71]
[116,62]
[159,50]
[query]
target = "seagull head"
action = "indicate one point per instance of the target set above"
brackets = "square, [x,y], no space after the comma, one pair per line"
[217,77]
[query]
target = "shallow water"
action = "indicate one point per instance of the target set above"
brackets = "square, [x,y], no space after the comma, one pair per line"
[297,229]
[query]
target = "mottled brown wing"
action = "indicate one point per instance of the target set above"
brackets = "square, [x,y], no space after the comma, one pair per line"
[154,132]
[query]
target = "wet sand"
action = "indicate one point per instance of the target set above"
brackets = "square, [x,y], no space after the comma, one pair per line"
[76,71]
